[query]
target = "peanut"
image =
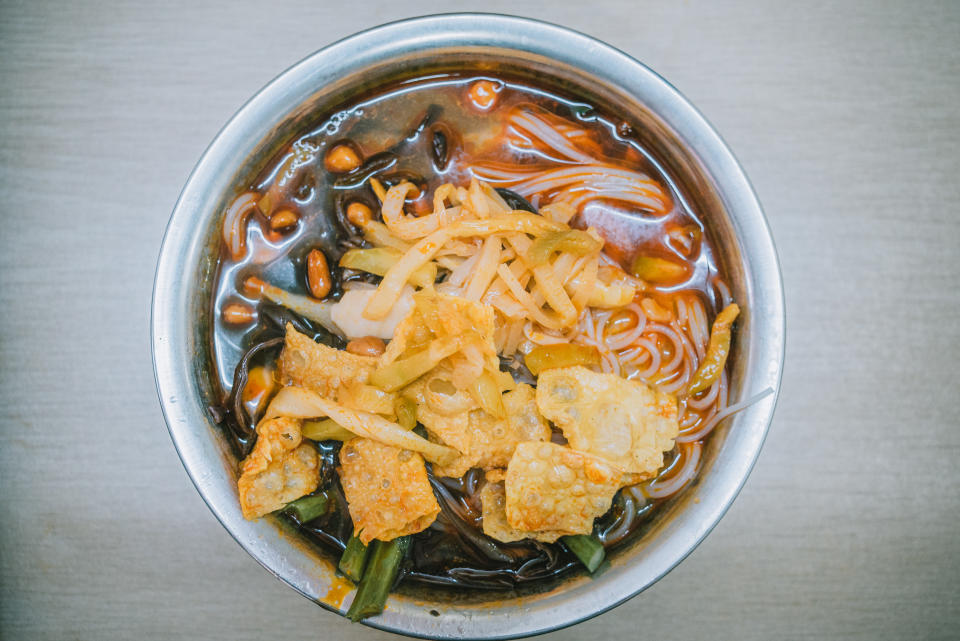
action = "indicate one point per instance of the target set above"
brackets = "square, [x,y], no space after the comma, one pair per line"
[318,274]
[359,214]
[283,219]
[366,346]
[483,94]
[238,314]
[341,159]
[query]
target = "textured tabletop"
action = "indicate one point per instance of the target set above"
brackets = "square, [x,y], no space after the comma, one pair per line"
[846,117]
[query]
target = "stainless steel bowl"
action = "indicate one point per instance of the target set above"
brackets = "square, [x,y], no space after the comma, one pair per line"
[681,138]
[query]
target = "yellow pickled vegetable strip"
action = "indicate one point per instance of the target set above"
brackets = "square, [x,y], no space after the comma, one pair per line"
[485,269]
[396,277]
[657,270]
[551,288]
[486,391]
[611,296]
[525,299]
[406,413]
[379,260]
[412,227]
[297,402]
[389,290]
[404,371]
[326,430]
[377,234]
[717,350]
[572,241]
[378,189]
[544,357]
[584,284]
[517,221]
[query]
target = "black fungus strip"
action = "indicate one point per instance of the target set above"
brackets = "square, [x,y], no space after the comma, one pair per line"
[515,200]
[438,150]
[242,423]
[372,166]
[467,531]
[433,114]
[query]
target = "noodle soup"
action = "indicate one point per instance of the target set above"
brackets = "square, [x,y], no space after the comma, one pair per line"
[444,247]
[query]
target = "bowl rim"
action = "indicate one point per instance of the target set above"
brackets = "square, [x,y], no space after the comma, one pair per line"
[170,349]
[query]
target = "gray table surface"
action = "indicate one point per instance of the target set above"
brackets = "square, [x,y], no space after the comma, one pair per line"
[845,116]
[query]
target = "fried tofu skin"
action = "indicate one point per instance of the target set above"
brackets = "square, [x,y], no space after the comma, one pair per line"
[484,441]
[281,468]
[437,316]
[387,490]
[332,373]
[495,524]
[552,488]
[625,422]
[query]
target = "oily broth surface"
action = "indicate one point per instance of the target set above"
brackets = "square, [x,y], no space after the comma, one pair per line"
[383,120]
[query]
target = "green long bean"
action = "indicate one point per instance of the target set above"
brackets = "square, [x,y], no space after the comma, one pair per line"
[588,549]
[354,559]
[307,508]
[383,565]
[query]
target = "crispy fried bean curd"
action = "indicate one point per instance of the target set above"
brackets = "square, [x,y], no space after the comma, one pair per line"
[387,490]
[280,469]
[551,488]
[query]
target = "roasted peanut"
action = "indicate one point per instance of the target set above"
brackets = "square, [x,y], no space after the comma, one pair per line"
[483,94]
[359,214]
[341,159]
[253,286]
[283,219]
[366,346]
[238,314]
[318,274]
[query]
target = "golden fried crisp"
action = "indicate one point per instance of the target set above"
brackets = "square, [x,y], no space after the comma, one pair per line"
[624,422]
[280,468]
[495,525]
[437,315]
[552,488]
[496,475]
[387,490]
[484,441]
[335,374]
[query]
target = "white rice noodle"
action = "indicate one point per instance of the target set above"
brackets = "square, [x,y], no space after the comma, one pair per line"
[676,382]
[723,291]
[498,297]
[649,352]
[678,350]
[722,414]
[527,121]
[626,338]
[235,223]
[706,401]
[662,488]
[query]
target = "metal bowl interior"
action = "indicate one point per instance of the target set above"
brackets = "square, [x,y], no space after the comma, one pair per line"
[692,153]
